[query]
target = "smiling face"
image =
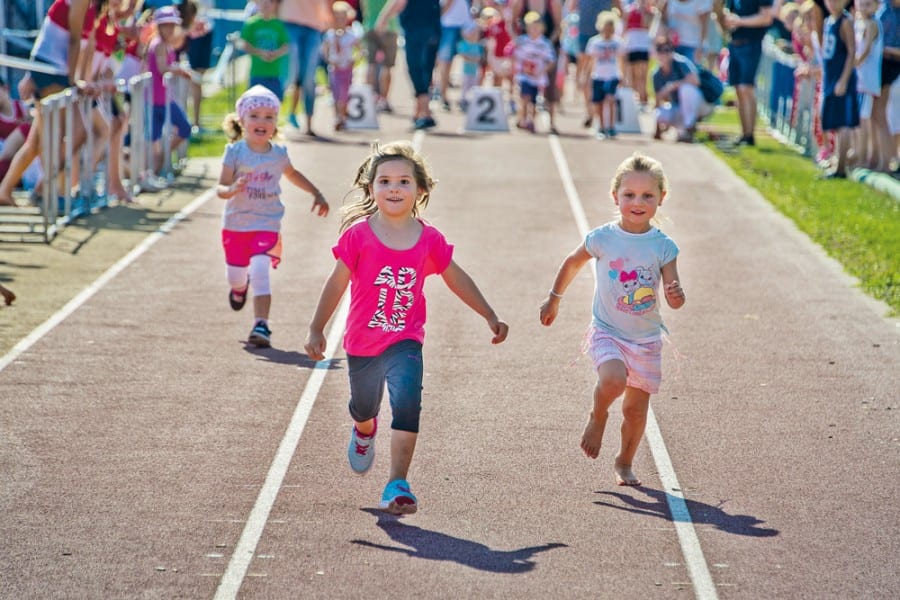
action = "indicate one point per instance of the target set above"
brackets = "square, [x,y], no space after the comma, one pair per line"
[638,197]
[394,188]
[259,125]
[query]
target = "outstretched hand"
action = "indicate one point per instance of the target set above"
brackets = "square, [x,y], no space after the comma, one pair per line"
[320,205]
[315,345]
[500,329]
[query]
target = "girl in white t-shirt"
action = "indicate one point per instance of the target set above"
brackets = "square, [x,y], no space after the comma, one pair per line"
[633,258]
[605,51]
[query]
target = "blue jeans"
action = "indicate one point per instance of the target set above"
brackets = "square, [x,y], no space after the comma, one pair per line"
[400,366]
[421,54]
[305,45]
[273,84]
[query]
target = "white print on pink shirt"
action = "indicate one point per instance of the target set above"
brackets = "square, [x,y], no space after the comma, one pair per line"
[403,298]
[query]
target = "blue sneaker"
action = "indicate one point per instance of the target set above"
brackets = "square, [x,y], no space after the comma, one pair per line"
[361,451]
[260,335]
[398,499]
[292,121]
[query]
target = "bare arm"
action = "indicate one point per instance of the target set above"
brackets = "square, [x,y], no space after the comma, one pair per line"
[331,295]
[77,12]
[391,9]
[462,285]
[228,184]
[846,33]
[320,205]
[761,19]
[671,286]
[868,38]
[569,268]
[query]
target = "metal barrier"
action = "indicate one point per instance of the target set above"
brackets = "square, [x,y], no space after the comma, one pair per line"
[790,120]
[60,202]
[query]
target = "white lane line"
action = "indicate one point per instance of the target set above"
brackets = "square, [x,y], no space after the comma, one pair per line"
[256,522]
[704,588]
[73,304]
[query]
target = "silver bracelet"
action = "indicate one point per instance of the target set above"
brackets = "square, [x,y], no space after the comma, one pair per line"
[555,295]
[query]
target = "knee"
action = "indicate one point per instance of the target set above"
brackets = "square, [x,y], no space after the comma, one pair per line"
[610,385]
[635,411]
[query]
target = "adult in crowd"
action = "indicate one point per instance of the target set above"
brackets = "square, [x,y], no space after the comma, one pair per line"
[687,22]
[381,48]
[886,107]
[587,11]
[58,46]
[747,21]
[679,101]
[199,53]
[306,21]
[421,23]
[455,16]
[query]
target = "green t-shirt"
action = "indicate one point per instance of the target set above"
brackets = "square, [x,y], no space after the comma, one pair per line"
[265,34]
[371,9]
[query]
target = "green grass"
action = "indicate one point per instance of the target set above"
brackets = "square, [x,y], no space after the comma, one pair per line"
[855,224]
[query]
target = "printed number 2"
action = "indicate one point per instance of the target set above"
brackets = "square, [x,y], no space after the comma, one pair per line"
[486,106]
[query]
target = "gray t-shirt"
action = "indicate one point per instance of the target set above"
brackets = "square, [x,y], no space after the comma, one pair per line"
[258,207]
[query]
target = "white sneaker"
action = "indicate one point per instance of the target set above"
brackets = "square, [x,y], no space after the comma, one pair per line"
[361,451]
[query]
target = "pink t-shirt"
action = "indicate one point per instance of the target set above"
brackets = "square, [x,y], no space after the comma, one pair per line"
[387,303]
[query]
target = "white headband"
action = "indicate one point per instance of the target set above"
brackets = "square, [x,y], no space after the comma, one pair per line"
[256,97]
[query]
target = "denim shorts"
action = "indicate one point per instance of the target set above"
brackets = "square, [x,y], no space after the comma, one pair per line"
[179,121]
[743,62]
[601,89]
[400,367]
[450,37]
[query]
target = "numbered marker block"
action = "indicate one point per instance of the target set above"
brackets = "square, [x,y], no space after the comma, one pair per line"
[486,110]
[626,111]
[361,112]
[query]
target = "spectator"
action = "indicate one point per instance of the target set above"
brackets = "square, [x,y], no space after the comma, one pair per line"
[885,120]
[265,38]
[14,125]
[747,20]
[199,52]
[679,102]
[840,103]
[587,11]
[57,45]
[605,50]
[341,42]
[534,57]
[471,49]
[869,49]
[499,50]
[421,22]
[454,17]
[306,22]
[686,24]
[639,17]
[550,12]
[381,48]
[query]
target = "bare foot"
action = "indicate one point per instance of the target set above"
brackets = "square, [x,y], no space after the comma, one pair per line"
[7,202]
[592,437]
[122,195]
[625,476]
[8,296]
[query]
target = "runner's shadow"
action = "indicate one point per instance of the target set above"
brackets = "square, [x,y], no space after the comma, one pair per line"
[433,545]
[290,357]
[700,513]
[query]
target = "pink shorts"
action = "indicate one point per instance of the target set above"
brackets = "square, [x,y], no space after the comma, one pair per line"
[643,362]
[240,246]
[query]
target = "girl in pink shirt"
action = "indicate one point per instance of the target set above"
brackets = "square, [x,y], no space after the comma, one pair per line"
[384,253]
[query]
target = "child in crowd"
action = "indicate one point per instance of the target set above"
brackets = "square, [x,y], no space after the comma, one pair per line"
[624,343]
[14,125]
[639,16]
[869,49]
[808,48]
[265,38]
[385,253]
[470,49]
[251,171]
[338,47]
[499,48]
[605,50]
[161,59]
[788,17]
[533,56]
[840,103]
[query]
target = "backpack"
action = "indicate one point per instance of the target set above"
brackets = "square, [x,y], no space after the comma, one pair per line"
[710,86]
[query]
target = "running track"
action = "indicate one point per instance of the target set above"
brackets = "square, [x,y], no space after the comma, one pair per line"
[147,452]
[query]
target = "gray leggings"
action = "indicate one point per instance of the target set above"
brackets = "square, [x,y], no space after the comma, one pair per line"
[400,366]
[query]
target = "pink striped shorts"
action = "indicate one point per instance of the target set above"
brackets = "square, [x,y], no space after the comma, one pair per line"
[643,362]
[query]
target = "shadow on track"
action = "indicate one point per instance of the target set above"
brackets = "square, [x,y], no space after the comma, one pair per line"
[432,545]
[289,357]
[701,514]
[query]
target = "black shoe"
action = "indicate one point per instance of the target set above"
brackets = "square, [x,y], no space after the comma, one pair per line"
[746,140]
[833,175]
[424,123]
[236,300]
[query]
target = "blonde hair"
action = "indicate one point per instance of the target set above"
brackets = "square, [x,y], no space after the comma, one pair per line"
[532,17]
[344,7]
[640,163]
[231,125]
[606,16]
[365,176]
